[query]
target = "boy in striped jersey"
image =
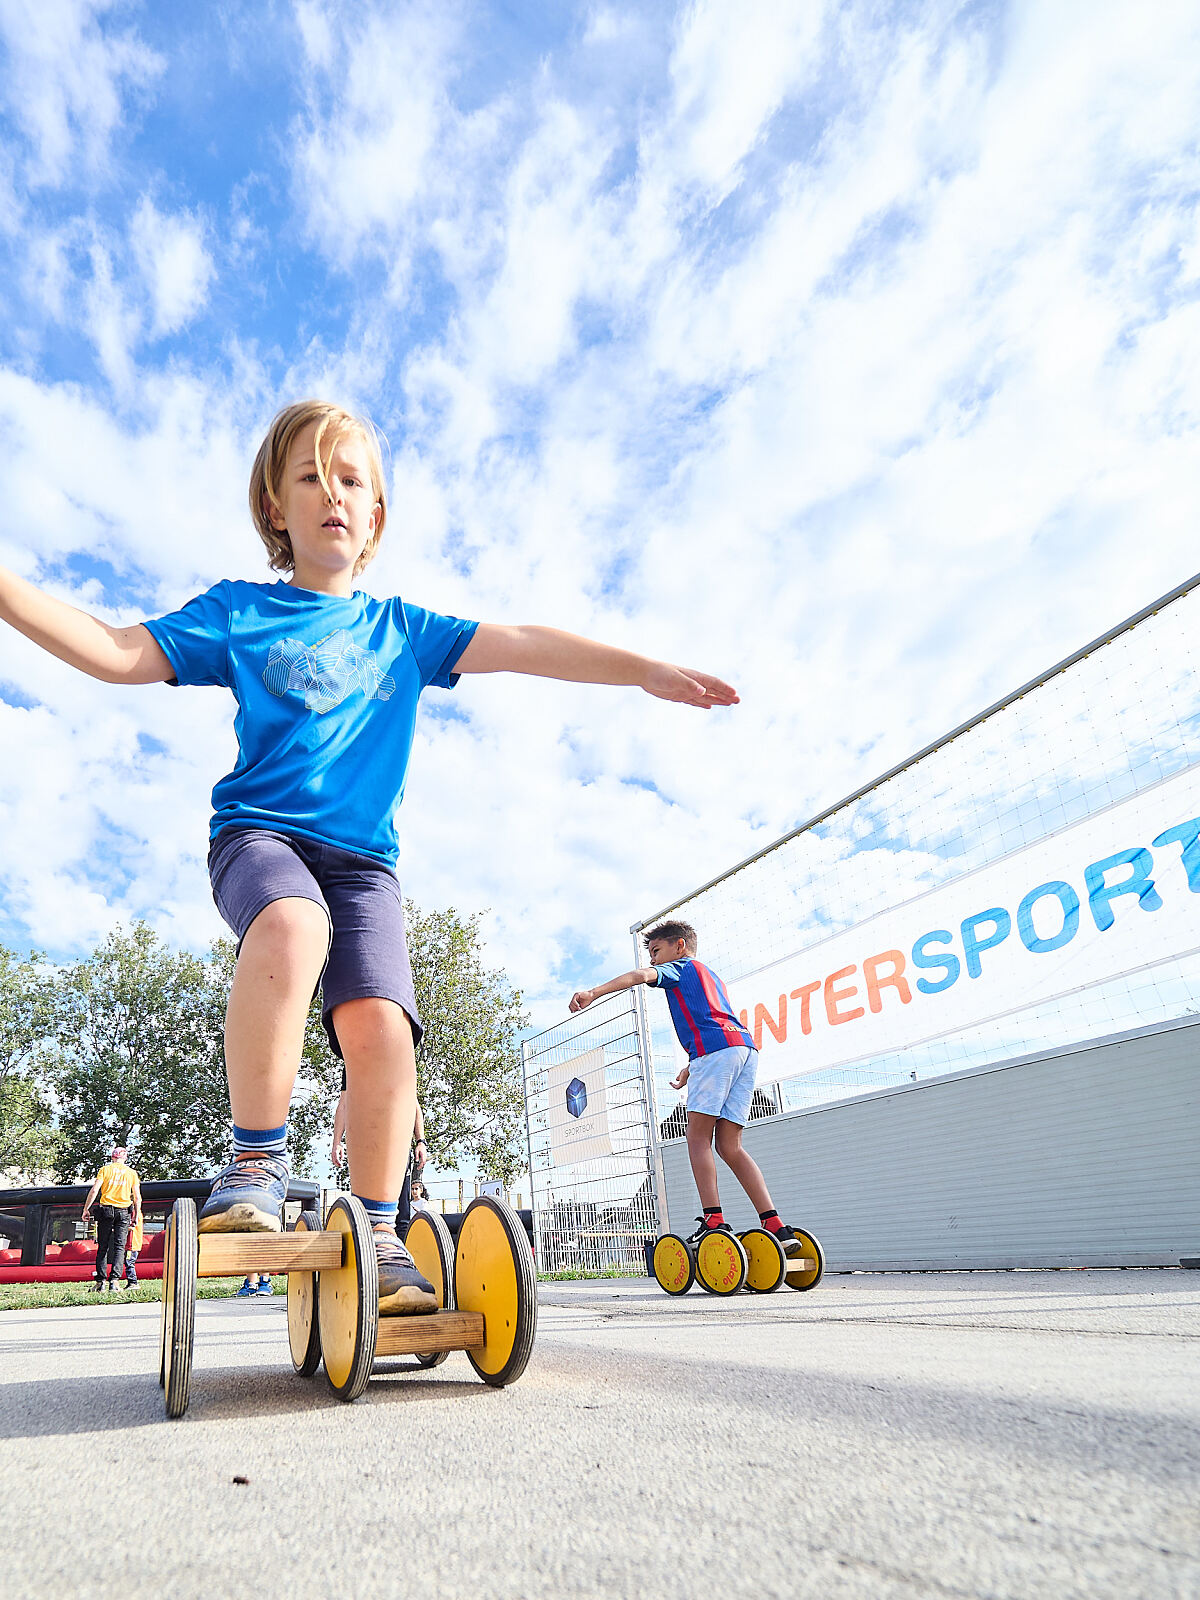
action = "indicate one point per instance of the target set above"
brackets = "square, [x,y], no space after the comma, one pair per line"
[722,1065]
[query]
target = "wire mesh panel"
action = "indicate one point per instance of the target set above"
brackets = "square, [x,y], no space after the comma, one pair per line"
[1119,719]
[590,1161]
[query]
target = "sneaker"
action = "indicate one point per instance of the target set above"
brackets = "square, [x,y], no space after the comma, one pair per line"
[265,1286]
[98,1286]
[402,1289]
[703,1228]
[247,1197]
[787,1238]
[116,1283]
[245,1291]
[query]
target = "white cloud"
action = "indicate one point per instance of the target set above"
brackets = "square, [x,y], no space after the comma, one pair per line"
[375,106]
[69,82]
[177,268]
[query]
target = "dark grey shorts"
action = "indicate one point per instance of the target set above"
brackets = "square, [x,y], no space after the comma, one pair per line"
[249,868]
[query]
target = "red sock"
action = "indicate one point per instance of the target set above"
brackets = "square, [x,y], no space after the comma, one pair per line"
[770,1221]
[713,1217]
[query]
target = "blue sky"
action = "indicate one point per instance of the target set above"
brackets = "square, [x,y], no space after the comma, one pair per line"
[848,351]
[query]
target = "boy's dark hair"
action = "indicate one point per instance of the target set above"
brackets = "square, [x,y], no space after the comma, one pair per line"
[673,931]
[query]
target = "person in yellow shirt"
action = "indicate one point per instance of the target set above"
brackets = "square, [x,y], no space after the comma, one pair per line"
[120,1203]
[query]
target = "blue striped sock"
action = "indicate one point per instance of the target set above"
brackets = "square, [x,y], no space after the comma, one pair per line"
[378,1210]
[260,1141]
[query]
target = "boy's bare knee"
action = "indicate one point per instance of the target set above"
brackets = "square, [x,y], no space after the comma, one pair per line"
[367,1024]
[729,1141]
[289,925]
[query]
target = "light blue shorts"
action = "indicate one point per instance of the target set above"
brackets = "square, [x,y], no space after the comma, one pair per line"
[722,1084]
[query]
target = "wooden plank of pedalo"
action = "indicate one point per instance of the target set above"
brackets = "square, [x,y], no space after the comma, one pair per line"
[224,1255]
[427,1335]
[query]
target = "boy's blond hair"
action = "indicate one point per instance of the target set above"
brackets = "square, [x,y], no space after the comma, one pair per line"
[269,464]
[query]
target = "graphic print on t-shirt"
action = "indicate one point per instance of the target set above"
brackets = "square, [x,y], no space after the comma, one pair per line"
[327,672]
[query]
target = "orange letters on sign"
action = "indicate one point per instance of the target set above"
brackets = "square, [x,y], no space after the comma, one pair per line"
[833,995]
[804,994]
[761,1015]
[894,979]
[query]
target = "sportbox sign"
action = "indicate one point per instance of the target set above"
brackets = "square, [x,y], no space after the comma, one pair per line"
[1101,899]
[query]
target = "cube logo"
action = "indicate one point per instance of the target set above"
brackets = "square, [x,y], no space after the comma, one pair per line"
[576,1097]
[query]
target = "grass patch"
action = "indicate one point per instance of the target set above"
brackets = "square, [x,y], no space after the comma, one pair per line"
[50,1296]
[573,1274]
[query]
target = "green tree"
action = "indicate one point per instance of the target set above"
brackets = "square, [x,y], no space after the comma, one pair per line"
[138,1044]
[469,1060]
[29,1143]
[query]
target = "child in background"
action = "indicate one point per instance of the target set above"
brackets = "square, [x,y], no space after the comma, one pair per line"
[132,1246]
[255,1283]
[303,841]
[722,1066]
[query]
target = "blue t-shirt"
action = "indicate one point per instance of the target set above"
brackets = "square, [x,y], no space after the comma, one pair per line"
[326,690]
[700,1008]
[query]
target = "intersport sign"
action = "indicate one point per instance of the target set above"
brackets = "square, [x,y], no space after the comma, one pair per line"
[1101,899]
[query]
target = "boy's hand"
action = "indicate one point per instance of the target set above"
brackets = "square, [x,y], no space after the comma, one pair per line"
[684,1074]
[687,687]
[581,999]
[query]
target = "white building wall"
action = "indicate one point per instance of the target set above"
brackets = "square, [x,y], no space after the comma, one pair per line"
[1085,1156]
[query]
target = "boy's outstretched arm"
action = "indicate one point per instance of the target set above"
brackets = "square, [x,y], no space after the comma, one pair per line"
[582,998]
[550,653]
[114,655]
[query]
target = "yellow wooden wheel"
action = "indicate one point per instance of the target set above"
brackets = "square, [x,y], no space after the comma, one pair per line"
[674,1264]
[178,1327]
[807,1248]
[493,1274]
[720,1262]
[348,1301]
[766,1263]
[304,1331]
[432,1249]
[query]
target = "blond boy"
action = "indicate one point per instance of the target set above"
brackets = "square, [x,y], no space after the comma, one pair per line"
[303,838]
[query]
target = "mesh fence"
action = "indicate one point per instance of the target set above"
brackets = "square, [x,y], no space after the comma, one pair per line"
[1114,720]
[595,1214]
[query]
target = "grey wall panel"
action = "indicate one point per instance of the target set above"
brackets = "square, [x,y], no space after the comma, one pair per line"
[1087,1156]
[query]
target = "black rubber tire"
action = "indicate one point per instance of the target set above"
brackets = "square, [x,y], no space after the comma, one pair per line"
[672,1283]
[304,1343]
[360,1280]
[804,1281]
[180,1260]
[443,1246]
[767,1247]
[494,1216]
[733,1284]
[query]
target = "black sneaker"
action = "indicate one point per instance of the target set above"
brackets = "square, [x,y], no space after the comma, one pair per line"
[402,1289]
[695,1238]
[788,1240]
[247,1197]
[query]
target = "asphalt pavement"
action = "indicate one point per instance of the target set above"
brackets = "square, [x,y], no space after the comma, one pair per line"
[1001,1435]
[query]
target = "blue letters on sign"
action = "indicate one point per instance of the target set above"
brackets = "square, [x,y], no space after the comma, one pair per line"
[924,958]
[973,947]
[1188,835]
[1139,882]
[1069,901]
[576,1097]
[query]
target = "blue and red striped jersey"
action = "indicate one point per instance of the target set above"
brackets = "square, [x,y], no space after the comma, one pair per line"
[700,1008]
